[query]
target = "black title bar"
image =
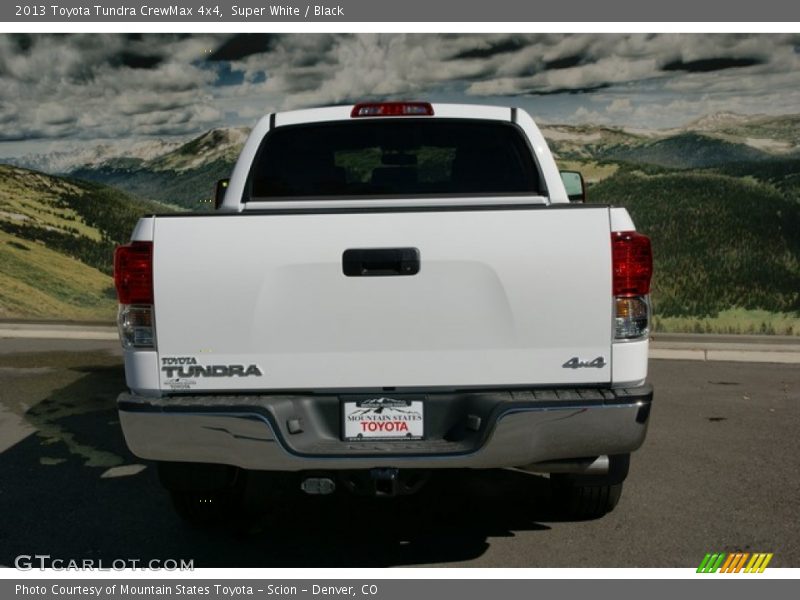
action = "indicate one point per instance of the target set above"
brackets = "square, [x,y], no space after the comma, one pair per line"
[263,11]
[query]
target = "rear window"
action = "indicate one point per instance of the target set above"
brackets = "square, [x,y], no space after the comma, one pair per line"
[394,157]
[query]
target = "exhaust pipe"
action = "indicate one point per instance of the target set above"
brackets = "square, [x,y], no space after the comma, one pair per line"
[318,486]
[574,466]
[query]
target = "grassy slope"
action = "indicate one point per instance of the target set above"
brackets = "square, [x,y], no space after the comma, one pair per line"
[782,173]
[733,321]
[36,282]
[593,172]
[56,245]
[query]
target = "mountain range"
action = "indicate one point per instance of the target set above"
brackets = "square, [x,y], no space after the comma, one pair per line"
[712,140]
[720,198]
[183,172]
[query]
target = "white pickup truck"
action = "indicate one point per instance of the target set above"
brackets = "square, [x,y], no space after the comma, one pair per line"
[387,289]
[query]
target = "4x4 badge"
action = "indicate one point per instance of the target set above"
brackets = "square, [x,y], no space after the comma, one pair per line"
[577,363]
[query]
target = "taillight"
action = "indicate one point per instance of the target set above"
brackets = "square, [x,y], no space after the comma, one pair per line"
[136,326]
[632,268]
[133,273]
[133,278]
[632,261]
[392,109]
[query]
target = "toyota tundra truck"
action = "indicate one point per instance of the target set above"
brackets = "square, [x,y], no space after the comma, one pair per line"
[385,290]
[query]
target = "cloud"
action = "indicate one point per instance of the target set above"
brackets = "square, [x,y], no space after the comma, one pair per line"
[706,65]
[491,48]
[91,86]
[137,61]
[619,106]
[584,115]
[242,45]
[565,62]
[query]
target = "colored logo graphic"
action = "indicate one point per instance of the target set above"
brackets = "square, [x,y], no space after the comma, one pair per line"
[735,562]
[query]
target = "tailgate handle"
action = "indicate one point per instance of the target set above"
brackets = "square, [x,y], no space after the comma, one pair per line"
[380,262]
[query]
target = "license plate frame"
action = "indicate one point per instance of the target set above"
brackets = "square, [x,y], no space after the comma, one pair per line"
[382,418]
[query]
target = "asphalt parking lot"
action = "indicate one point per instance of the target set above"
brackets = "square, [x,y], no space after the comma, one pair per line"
[719,472]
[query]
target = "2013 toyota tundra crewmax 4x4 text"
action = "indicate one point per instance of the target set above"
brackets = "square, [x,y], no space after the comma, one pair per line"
[387,289]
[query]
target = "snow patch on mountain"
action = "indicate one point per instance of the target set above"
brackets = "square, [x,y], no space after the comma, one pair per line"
[72,157]
[160,154]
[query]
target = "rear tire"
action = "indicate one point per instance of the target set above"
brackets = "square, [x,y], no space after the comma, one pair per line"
[583,502]
[582,497]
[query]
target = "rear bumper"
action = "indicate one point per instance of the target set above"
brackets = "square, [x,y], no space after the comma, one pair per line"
[463,430]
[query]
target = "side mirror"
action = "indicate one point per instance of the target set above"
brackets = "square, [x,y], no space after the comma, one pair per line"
[574,185]
[219,192]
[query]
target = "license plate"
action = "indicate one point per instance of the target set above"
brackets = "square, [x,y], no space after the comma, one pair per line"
[383,418]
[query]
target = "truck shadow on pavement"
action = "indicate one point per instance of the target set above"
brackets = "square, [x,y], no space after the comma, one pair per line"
[73,491]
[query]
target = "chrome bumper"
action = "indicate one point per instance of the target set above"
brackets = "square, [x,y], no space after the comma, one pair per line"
[295,433]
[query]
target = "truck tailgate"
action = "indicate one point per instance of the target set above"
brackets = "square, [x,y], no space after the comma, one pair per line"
[501,297]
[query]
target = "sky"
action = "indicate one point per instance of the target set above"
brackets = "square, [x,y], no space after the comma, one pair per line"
[57,91]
